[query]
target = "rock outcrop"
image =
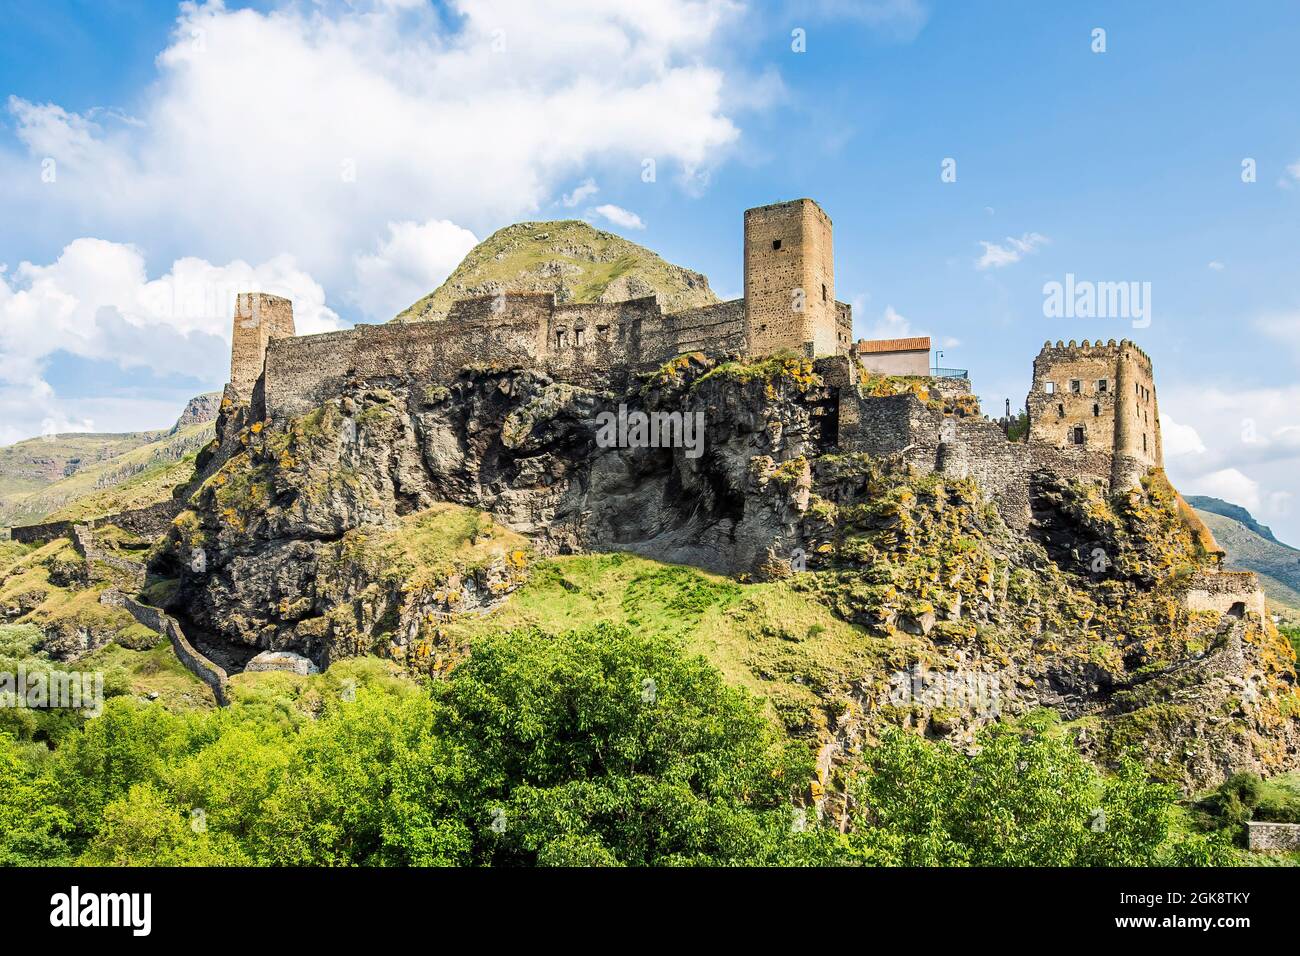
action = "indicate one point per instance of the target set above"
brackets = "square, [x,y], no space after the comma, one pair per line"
[362,526]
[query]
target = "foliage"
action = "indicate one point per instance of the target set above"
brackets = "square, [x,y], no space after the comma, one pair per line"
[1027,798]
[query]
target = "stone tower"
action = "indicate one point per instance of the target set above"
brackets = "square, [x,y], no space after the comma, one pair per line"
[259,318]
[790,280]
[1101,397]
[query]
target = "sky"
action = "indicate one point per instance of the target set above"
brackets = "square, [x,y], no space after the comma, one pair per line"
[156,158]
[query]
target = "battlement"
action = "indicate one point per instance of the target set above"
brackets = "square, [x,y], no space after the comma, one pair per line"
[1098,395]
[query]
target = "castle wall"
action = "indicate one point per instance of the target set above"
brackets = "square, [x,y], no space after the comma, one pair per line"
[1221,591]
[718,328]
[925,439]
[589,344]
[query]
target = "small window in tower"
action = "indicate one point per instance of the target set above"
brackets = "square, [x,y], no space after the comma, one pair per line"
[1076,386]
[1096,410]
[578,336]
[823,291]
[602,331]
[1144,443]
[1102,386]
[560,338]
[1060,411]
[776,243]
[1078,434]
[1049,388]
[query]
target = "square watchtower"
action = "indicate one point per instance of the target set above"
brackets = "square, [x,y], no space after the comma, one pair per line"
[790,280]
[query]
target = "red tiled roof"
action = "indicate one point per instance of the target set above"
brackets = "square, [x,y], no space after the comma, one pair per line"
[915,344]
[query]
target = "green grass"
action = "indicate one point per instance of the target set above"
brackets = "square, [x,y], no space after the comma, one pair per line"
[780,644]
[524,257]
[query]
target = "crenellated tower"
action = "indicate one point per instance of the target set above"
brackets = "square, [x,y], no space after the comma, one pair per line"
[1098,396]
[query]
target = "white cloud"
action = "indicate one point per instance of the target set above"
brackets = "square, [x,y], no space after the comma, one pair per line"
[1178,439]
[96,302]
[901,20]
[1230,485]
[1216,265]
[409,264]
[310,128]
[623,218]
[891,325]
[584,191]
[1290,176]
[1285,328]
[1012,251]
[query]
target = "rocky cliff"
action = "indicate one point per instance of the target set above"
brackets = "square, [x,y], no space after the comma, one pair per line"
[396,509]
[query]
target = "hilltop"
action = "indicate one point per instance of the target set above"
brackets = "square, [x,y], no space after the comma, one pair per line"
[576,261]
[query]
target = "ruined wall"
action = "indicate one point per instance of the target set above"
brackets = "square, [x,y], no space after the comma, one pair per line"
[259,318]
[790,280]
[1272,837]
[1222,591]
[596,345]
[716,329]
[927,440]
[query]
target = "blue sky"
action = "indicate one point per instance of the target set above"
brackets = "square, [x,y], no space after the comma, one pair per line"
[348,154]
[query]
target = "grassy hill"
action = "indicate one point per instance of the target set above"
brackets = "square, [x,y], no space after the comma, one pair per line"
[87,475]
[570,258]
[1277,564]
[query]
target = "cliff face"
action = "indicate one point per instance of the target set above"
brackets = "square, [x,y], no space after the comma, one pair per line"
[369,524]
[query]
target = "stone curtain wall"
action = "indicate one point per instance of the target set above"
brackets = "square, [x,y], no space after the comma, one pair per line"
[202,668]
[1272,837]
[527,330]
[928,441]
[148,522]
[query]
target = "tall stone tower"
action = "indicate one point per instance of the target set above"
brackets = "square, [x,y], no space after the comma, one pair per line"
[790,280]
[1101,397]
[259,318]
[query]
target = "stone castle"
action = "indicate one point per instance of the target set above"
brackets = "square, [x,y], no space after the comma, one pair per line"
[1092,408]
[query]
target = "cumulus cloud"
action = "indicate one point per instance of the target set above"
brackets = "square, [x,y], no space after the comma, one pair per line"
[997,255]
[411,262]
[1179,439]
[310,128]
[586,190]
[1230,485]
[95,302]
[623,218]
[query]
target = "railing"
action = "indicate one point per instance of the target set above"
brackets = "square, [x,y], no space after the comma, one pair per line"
[949,373]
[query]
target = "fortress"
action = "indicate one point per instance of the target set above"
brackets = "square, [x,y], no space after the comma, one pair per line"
[1092,408]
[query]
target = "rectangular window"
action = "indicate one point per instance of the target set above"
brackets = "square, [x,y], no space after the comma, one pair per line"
[560,338]
[1102,385]
[776,243]
[602,331]
[823,291]
[1076,386]
[578,335]
[1049,388]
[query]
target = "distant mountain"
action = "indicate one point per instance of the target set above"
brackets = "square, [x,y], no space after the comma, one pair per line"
[1251,546]
[82,475]
[1237,513]
[576,261]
